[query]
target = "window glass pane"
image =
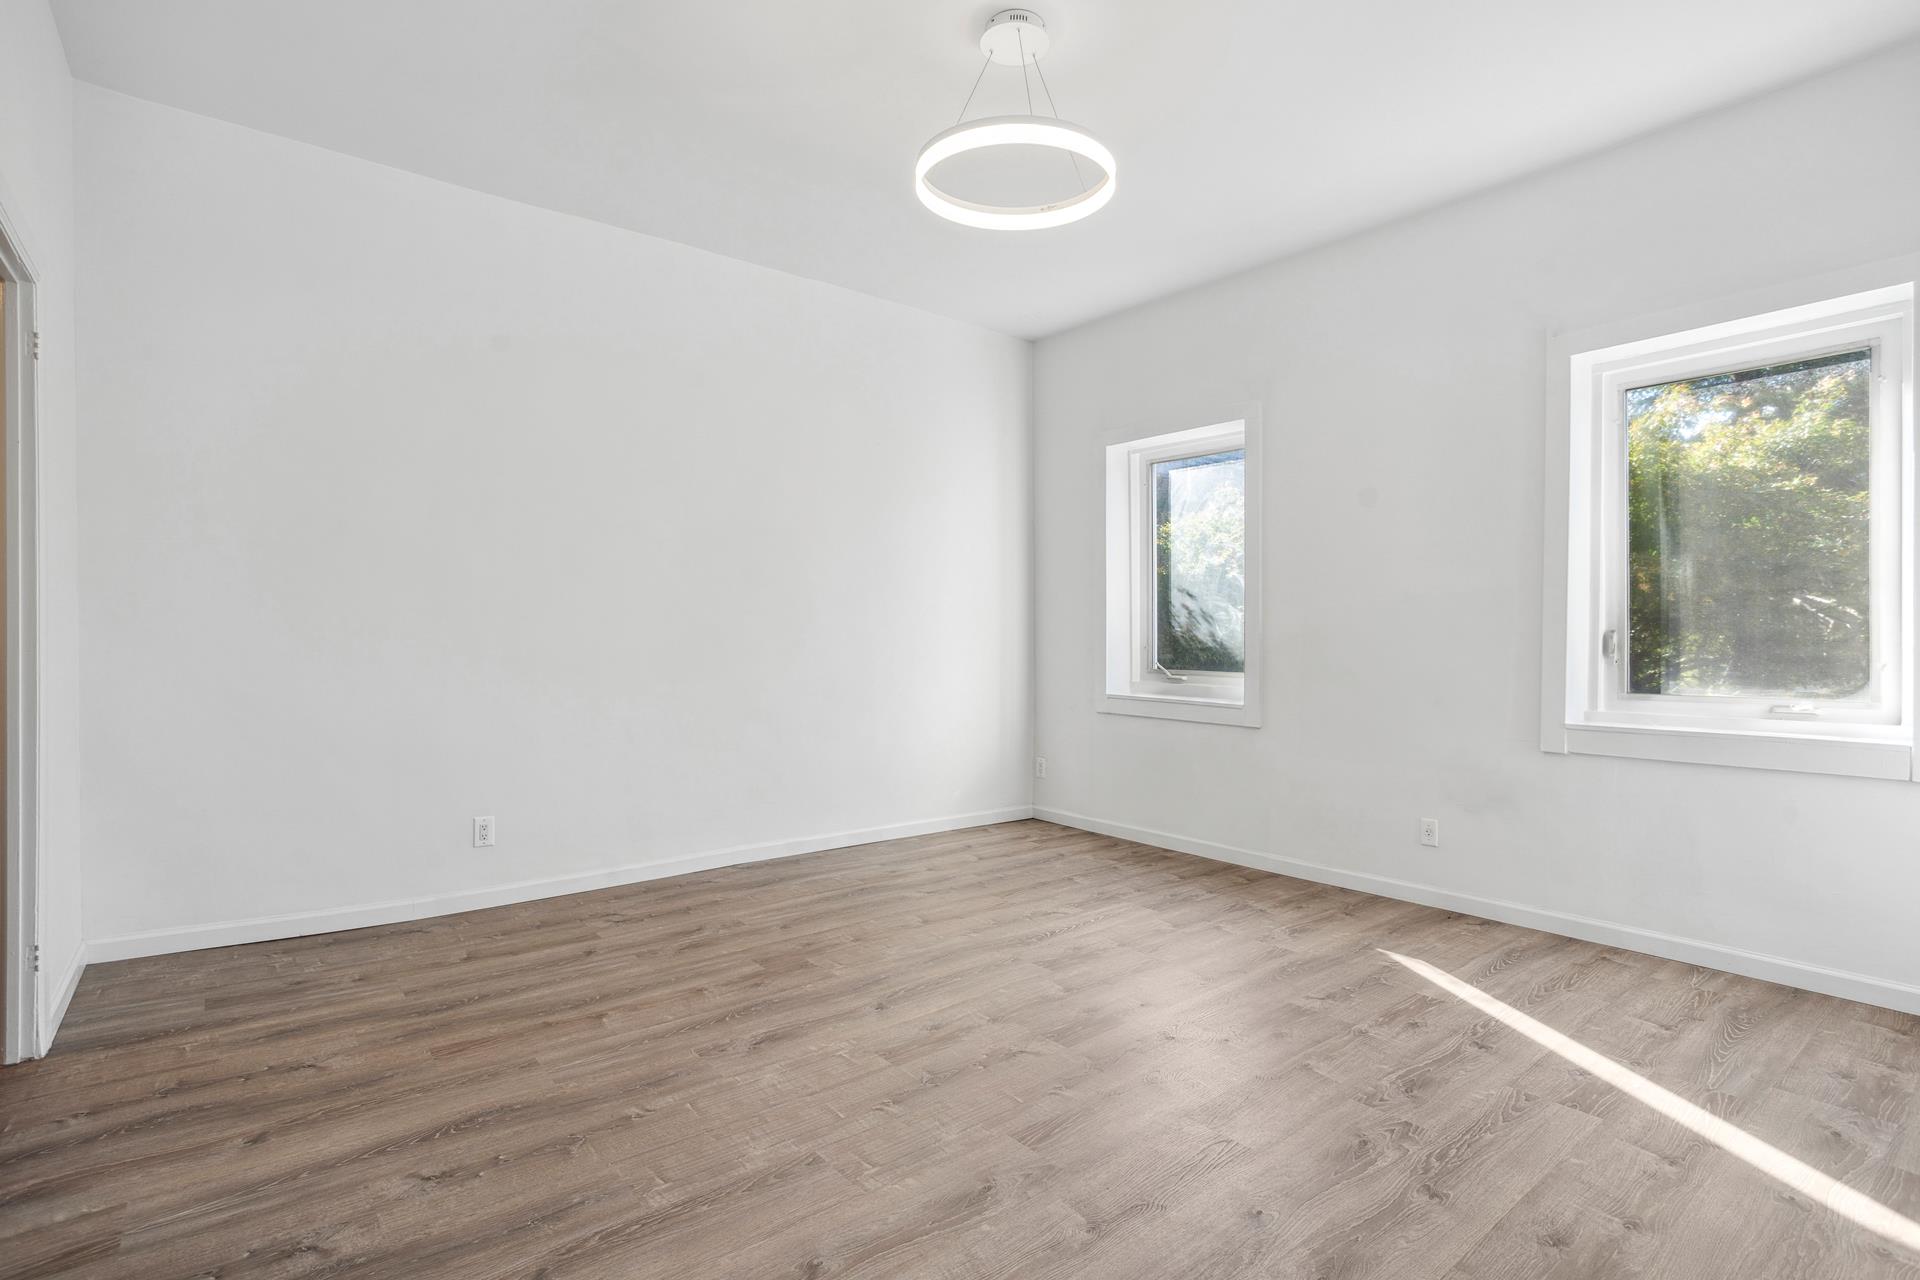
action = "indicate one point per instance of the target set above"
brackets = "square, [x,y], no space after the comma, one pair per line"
[1747,505]
[1200,554]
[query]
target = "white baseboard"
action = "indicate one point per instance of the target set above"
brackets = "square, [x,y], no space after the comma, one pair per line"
[301,923]
[1753,964]
[56,1009]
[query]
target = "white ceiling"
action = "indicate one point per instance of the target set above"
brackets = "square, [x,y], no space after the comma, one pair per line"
[784,133]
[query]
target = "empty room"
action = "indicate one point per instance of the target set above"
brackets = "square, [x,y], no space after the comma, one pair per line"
[925,641]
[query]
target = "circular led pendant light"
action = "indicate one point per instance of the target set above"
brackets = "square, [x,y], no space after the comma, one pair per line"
[1015,37]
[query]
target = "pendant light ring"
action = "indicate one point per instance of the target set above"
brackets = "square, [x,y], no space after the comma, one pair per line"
[1010,131]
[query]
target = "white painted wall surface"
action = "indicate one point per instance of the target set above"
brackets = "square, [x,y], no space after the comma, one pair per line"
[1403,375]
[407,504]
[36,186]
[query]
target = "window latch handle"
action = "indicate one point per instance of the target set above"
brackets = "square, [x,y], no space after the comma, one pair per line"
[1610,646]
[1168,675]
[1794,711]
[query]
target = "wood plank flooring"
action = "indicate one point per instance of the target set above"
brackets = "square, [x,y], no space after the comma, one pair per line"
[1014,1051]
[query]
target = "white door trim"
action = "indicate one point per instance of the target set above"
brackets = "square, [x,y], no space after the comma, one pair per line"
[27,972]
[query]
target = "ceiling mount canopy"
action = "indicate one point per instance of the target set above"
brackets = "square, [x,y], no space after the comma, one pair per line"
[1017,38]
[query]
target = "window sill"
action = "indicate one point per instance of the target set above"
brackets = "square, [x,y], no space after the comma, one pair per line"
[1888,757]
[1179,707]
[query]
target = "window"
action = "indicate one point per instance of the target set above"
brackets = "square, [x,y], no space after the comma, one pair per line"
[1749,548]
[1199,524]
[1738,564]
[1182,585]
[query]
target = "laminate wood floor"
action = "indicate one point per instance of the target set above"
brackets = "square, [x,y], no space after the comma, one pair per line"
[1014,1051]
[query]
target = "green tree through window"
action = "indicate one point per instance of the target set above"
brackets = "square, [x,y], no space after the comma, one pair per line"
[1200,558]
[1748,506]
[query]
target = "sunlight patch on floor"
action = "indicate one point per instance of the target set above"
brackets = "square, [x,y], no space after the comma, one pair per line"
[1767,1158]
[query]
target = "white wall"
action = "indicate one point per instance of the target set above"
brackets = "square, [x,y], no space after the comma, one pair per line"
[36,188]
[406,503]
[1403,374]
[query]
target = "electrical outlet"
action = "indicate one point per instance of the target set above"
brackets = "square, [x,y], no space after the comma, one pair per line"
[1039,766]
[483,832]
[1430,832]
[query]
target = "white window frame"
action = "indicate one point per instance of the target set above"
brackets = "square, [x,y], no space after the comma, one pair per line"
[1587,708]
[1132,686]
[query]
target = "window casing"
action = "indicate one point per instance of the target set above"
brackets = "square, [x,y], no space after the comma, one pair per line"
[1183,596]
[1715,498]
